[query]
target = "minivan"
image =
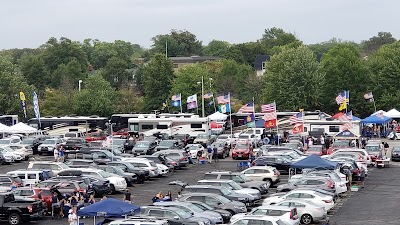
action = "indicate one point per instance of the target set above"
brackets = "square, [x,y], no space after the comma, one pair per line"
[32,177]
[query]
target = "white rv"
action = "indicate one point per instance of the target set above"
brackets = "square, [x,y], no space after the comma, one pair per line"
[330,127]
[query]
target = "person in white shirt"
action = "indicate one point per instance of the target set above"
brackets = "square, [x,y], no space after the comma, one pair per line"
[72,217]
[56,155]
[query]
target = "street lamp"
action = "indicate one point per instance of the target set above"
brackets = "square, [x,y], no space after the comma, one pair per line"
[202,94]
[79,85]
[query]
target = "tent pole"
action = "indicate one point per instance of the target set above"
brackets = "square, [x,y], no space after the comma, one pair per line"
[94,220]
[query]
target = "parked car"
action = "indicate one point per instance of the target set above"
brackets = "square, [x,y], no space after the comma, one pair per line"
[74,134]
[258,220]
[161,159]
[117,183]
[263,173]
[285,213]
[168,144]
[227,139]
[10,141]
[130,178]
[95,136]
[232,185]
[142,174]
[239,178]
[311,182]
[195,150]
[396,153]
[180,156]
[48,146]
[242,150]
[19,211]
[216,201]
[144,148]
[33,142]
[65,186]
[31,177]
[75,144]
[335,176]
[10,180]
[204,139]
[10,155]
[145,164]
[138,220]
[373,150]
[80,163]
[307,211]
[32,194]
[172,213]
[281,163]
[55,167]
[26,150]
[184,138]
[226,215]
[99,156]
[222,149]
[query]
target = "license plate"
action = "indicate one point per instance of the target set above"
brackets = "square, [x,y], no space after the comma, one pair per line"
[247,204]
[240,155]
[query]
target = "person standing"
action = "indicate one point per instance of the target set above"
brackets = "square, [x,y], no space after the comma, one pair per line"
[61,153]
[215,153]
[362,177]
[209,154]
[54,204]
[128,197]
[72,217]
[386,147]
[56,152]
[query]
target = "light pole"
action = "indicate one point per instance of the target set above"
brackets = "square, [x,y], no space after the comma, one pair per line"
[79,85]
[202,94]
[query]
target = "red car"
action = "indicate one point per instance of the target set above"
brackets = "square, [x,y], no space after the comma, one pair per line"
[123,132]
[95,136]
[32,193]
[242,150]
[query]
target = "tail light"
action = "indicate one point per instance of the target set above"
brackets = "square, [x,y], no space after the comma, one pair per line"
[330,184]
[173,163]
[327,201]
[30,208]
[253,163]
[275,172]
[74,147]
[184,158]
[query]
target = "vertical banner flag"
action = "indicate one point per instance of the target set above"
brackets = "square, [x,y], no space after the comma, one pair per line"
[36,106]
[270,116]
[176,100]
[192,102]
[250,120]
[369,97]
[225,108]
[248,108]
[23,104]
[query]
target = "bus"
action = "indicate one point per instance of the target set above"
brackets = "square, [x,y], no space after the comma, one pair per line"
[120,121]
[50,122]
[9,120]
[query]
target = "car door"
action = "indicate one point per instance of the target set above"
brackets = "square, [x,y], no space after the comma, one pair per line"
[213,202]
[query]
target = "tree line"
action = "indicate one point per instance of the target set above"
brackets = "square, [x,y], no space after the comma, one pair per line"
[121,77]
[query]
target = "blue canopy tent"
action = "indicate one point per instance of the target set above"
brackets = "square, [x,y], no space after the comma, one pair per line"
[355,118]
[376,119]
[314,162]
[109,208]
[346,135]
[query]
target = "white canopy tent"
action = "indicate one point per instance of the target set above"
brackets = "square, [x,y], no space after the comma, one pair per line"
[378,112]
[4,128]
[393,113]
[217,116]
[22,128]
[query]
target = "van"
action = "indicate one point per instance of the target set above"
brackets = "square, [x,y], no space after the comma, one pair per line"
[55,167]
[31,177]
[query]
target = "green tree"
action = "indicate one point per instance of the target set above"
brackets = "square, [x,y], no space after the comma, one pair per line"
[97,97]
[373,44]
[275,37]
[345,70]
[216,48]
[245,52]
[67,72]
[128,102]
[57,102]
[157,76]
[34,70]
[179,43]
[293,79]
[384,66]
[115,72]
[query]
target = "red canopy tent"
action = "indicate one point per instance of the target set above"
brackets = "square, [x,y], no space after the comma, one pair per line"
[215,125]
[337,115]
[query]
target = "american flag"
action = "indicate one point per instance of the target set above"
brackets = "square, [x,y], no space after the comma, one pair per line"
[349,115]
[208,95]
[248,108]
[223,99]
[268,108]
[345,118]
[296,118]
[347,126]
[269,116]
[176,97]
[340,98]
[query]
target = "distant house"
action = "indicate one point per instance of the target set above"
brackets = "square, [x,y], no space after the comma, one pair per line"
[259,64]
[179,62]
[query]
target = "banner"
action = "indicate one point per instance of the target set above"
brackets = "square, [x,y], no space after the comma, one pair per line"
[36,106]
[23,104]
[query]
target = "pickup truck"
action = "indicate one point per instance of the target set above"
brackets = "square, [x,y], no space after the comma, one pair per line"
[19,211]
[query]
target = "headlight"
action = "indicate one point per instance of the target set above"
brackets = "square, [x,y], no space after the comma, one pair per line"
[237,207]
[242,199]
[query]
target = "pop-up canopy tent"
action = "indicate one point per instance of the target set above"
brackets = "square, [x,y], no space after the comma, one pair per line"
[217,116]
[393,113]
[346,135]
[337,115]
[378,112]
[109,207]
[314,161]
[4,128]
[22,128]
[376,119]
[355,118]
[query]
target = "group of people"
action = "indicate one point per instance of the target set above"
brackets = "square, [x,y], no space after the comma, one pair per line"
[212,153]
[159,197]
[59,153]
[73,201]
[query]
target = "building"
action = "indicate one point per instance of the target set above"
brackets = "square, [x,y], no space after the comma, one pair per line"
[179,62]
[259,64]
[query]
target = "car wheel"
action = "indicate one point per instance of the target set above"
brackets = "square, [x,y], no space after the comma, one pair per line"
[40,153]
[112,189]
[268,180]
[94,192]
[14,219]
[306,219]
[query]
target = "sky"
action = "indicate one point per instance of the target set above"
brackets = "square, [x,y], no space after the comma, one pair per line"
[30,23]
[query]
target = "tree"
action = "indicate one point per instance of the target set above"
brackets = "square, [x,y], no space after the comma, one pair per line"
[384,66]
[97,97]
[115,72]
[293,79]
[345,70]
[104,51]
[216,48]
[179,43]
[128,102]
[34,70]
[373,44]
[11,84]
[275,37]
[245,52]
[69,72]
[57,102]
[157,79]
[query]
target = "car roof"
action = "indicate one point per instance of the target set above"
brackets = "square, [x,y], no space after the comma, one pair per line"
[46,162]
[215,181]
[223,172]
[260,168]
[275,207]
[259,217]
[202,186]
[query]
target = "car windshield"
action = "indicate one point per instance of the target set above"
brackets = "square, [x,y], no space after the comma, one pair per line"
[202,136]
[167,143]
[396,149]
[63,166]
[104,174]
[142,144]
[182,213]
[153,164]
[4,141]
[222,137]
[244,178]
[118,141]
[194,208]
[243,136]
[49,142]
[235,186]
[27,141]
[118,169]
[241,146]
[202,207]
[340,144]
[70,135]
[193,147]
[372,148]
[222,199]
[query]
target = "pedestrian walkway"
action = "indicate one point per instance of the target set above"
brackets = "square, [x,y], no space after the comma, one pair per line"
[377,203]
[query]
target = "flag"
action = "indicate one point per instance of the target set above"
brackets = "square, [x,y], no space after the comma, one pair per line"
[23,104]
[208,95]
[248,108]
[298,128]
[343,105]
[176,103]
[191,105]
[176,97]
[369,97]
[340,98]
[270,123]
[224,108]
[350,115]
[268,108]
[250,120]
[211,102]
[296,118]
[223,99]
[192,101]
[269,116]
[36,106]
[164,105]
[345,118]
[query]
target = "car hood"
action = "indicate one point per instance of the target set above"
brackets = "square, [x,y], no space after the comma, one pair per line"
[255,183]
[249,191]
[163,147]
[140,148]
[47,145]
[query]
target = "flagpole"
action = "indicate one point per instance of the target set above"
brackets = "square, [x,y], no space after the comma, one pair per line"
[254,114]
[230,114]
[276,121]
[348,99]
[374,104]
[215,109]
[180,101]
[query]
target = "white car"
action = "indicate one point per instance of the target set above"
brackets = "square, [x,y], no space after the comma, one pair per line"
[363,152]
[144,163]
[340,185]
[290,155]
[162,169]
[317,198]
[194,150]
[249,138]
[10,141]
[25,149]
[359,164]
[55,167]
[117,183]
[16,155]
[263,173]
[307,211]
[232,185]
[284,213]
[226,138]
[250,219]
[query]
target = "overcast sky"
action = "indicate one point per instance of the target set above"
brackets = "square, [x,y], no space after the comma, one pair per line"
[30,23]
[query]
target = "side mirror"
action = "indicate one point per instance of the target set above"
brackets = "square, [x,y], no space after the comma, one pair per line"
[176,217]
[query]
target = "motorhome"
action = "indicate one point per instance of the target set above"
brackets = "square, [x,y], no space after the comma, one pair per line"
[330,127]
